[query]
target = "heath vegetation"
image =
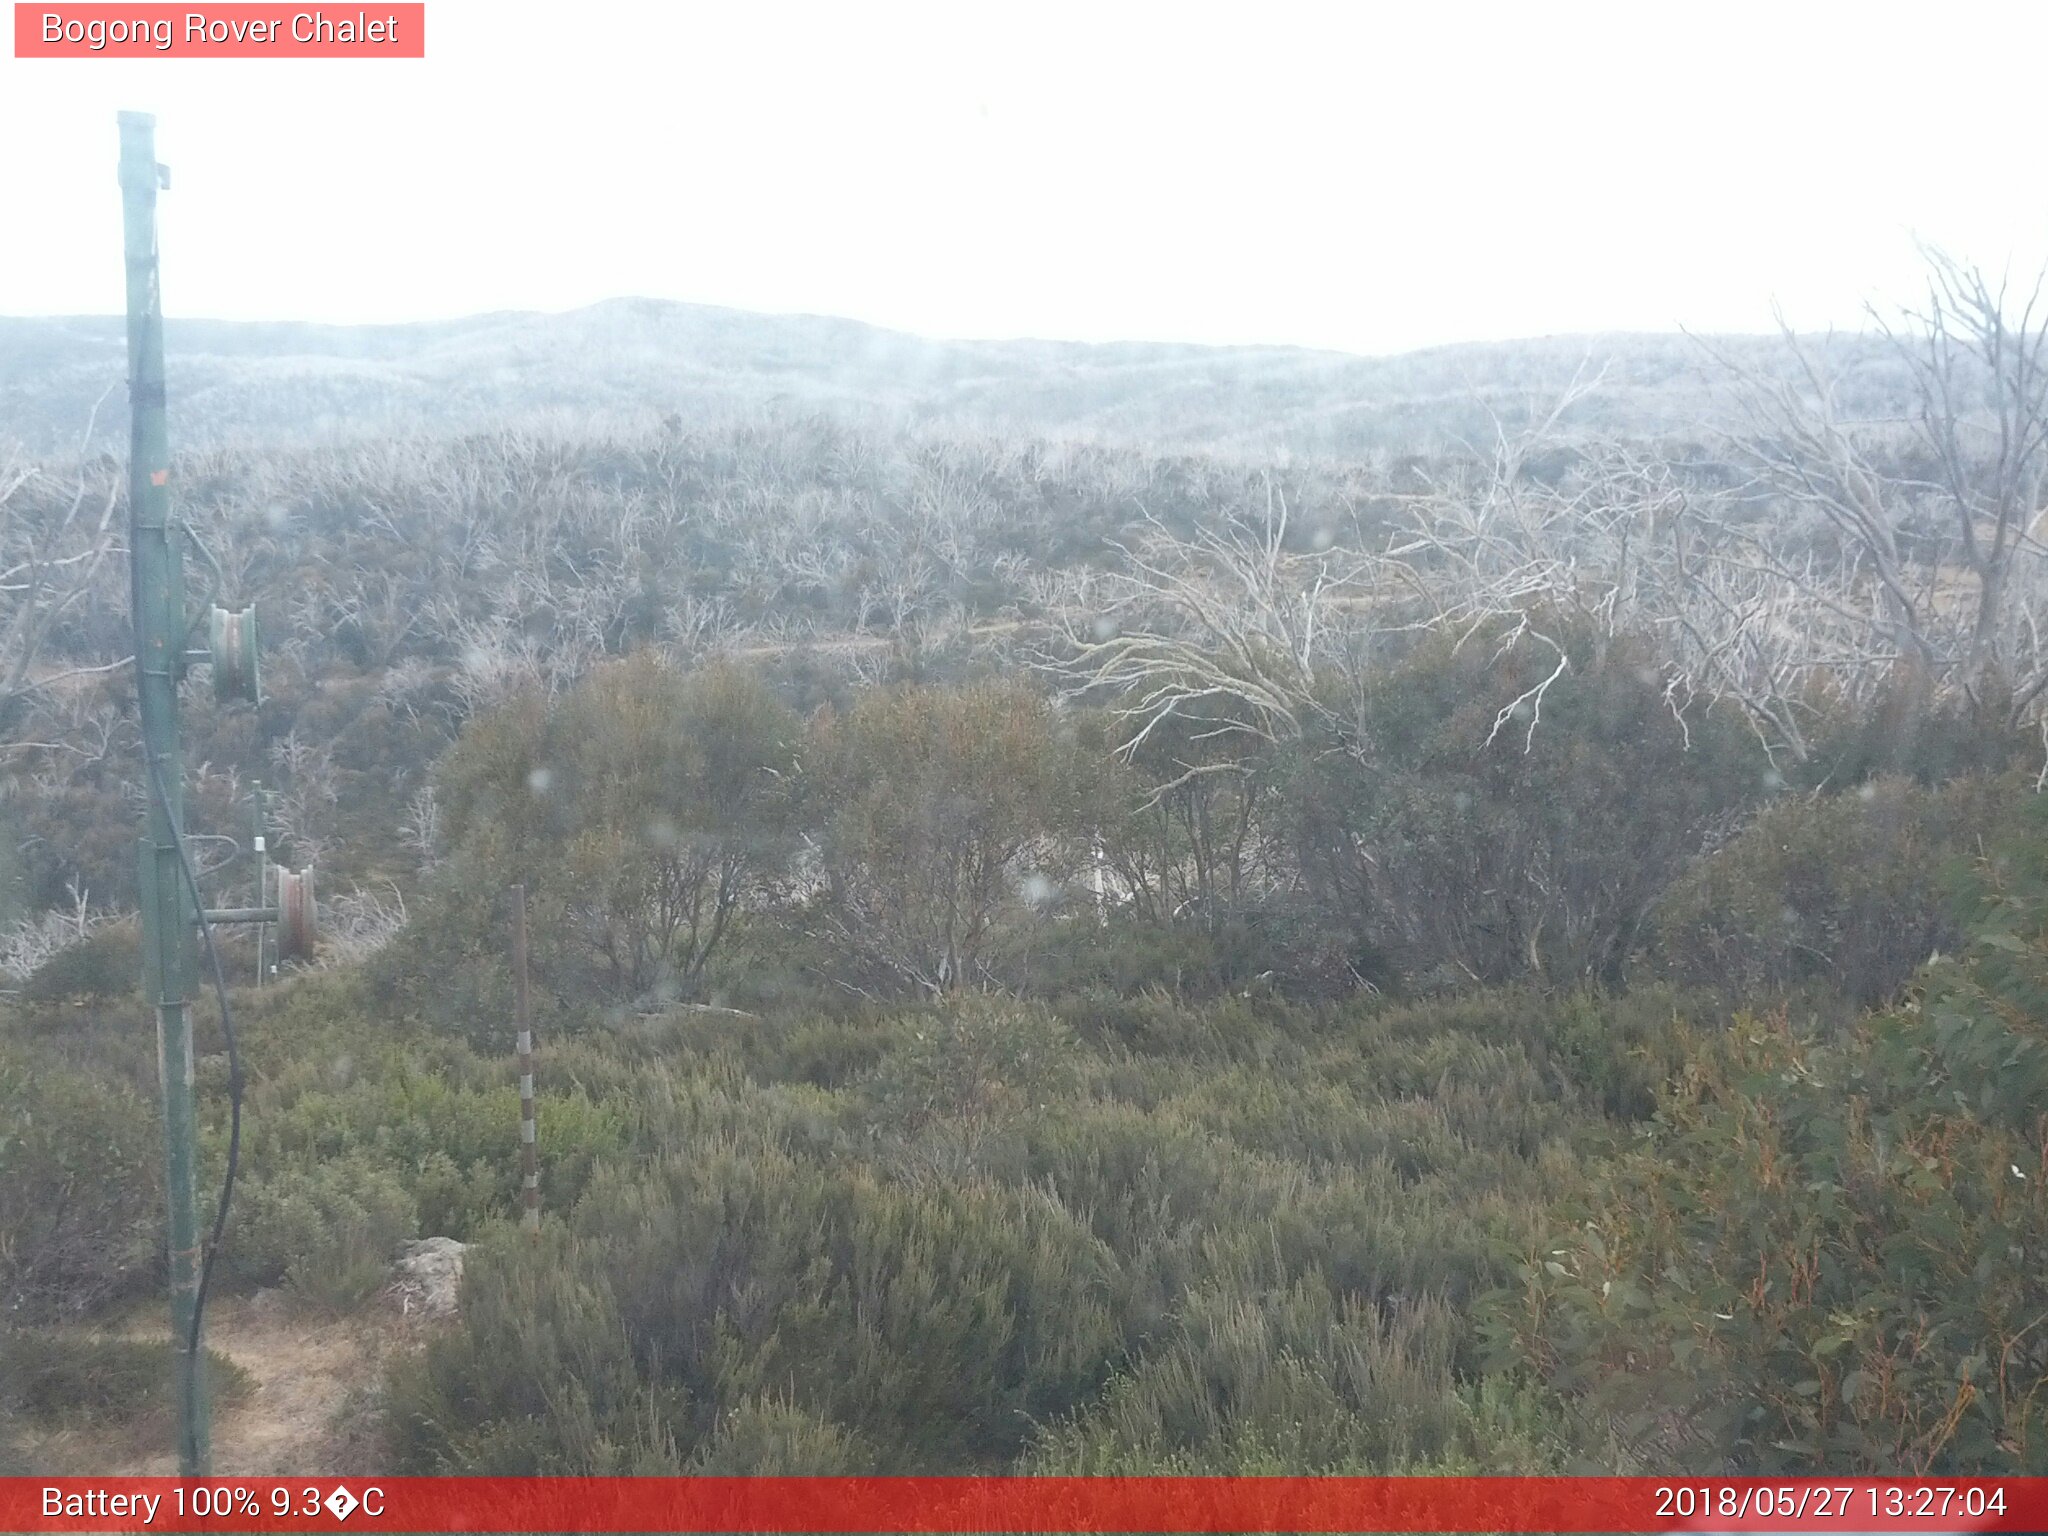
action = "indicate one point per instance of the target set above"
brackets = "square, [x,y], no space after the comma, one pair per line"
[1517,947]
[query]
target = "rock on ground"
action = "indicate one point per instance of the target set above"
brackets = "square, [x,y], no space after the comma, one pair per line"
[427,1279]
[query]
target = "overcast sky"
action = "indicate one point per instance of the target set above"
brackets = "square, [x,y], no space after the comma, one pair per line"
[1369,177]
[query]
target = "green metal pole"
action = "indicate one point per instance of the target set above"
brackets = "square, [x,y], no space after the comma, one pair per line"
[158,601]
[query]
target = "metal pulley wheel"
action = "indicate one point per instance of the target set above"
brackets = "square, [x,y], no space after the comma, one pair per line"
[298,917]
[233,636]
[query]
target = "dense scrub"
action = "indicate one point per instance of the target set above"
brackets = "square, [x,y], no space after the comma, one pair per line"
[1833,1236]
[938,1090]
[1008,1236]
[1467,847]
[1040,969]
[1847,890]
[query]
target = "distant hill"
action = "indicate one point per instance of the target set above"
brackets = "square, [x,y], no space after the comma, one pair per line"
[276,382]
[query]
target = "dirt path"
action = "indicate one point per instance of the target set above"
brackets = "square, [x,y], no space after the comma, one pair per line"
[311,1381]
[838,645]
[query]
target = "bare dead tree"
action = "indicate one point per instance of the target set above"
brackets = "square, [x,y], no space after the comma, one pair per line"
[1227,629]
[303,803]
[28,943]
[694,628]
[902,592]
[1981,371]
[421,829]
[1626,542]
[494,660]
[358,923]
[1230,627]
[1497,556]
[1959,610]
[56,531]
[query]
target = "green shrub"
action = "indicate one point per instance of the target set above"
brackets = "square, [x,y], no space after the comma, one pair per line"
[974,1059]
[1293,1382]
[314,1025]
[771,964]
[327,1234]
[1901,734]
[643,811]
[1614,1048]
[540,1378]
[65,1380]
[1273,945]
[1850,889]
[1182,813]
[106,965]
[81,1189]
[936,1324]
[1471,841]
[441,1123]
[1827,1258]
[765,1437]
[944,817]
[1252,1030]
[797,1046]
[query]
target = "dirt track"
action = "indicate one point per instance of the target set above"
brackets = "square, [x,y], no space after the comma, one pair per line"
[310,1382]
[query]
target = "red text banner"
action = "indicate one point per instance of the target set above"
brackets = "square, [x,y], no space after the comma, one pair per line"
[1052,1504]
[226,31]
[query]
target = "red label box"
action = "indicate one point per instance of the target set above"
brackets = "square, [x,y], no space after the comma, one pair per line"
[958,1506]
[374,30]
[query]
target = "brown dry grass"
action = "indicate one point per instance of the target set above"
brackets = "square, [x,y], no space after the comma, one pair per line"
[309,1412]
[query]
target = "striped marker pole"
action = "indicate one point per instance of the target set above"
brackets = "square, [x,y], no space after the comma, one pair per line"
[529,1154]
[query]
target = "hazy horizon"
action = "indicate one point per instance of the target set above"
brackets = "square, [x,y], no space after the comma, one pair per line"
[117,317]
[1340,178]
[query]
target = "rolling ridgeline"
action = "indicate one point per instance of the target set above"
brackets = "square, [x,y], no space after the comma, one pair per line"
[1051,955]
[638,360]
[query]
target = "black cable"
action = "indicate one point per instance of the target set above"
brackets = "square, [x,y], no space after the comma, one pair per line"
[227,1028]
[220,987]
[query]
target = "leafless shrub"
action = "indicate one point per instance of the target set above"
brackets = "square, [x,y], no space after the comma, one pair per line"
[358,924]
[1969,466]
[421,829]
[56,531]
[1227,629]
[28,943]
